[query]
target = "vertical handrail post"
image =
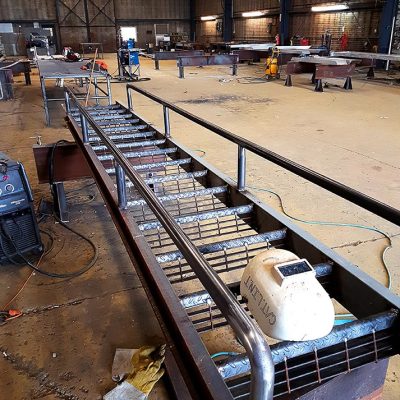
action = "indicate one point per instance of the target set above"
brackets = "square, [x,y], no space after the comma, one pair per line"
[129,98]
[121,186]
[241,177]
[67,102]
[108,81]
[96,91]
[84,126]
[167,127]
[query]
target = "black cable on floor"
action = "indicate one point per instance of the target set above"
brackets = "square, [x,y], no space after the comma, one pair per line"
[81,271]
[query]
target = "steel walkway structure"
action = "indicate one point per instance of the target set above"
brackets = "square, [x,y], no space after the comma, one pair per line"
[190,231]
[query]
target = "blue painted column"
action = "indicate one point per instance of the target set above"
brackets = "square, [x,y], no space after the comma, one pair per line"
[228,20]
[192,5]
[284,21]
[389,12]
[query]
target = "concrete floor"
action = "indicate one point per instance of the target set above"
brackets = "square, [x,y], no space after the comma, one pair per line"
[349,136]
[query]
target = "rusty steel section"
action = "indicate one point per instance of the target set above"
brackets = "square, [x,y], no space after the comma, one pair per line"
[203,61]
[190,232]
[321,69]
[174,55]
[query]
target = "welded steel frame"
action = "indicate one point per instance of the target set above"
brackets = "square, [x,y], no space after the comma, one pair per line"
[83,77]
[173,55]
[320,72]
[203,61]
[348,283]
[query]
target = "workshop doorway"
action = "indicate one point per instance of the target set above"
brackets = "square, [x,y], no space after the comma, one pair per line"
[129,32]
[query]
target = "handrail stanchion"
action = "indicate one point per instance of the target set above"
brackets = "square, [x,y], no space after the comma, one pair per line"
[67,102]
[241,171]
[109,89]
[121,186]
[129,98]
[167,127]
[84,126]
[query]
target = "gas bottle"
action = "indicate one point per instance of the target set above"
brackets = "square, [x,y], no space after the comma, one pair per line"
[271,70]
[285,297]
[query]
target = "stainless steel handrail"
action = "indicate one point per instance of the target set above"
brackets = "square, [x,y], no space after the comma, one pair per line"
[375,206]
[250,335]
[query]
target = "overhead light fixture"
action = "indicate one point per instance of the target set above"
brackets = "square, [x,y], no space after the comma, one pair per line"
[333,7]
[209,18]
[250,14]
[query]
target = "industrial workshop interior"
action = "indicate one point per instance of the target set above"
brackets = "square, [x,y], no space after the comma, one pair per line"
[199,200]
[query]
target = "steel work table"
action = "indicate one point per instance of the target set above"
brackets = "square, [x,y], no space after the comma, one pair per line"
[367,59]
[320,68]
[59,69]
[18,67]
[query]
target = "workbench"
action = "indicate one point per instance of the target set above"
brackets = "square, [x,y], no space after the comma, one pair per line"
[321,68]
[59,70]
[18,67]
[367,59]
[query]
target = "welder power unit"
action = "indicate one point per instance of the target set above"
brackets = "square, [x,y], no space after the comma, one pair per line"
[19,231]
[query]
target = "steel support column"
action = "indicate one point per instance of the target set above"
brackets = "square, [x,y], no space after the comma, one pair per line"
[388,15]
[88,33]
[192,5]
[284,21]
[228,20]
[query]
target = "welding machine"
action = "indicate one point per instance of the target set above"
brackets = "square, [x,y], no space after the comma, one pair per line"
[19,231]
[128,60]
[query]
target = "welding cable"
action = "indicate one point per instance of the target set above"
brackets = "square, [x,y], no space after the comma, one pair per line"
[24,284]
[48,250]
[249,80]
[92,262]
[326,223]
[11,65]
[51,161]
[203,153]
[224,353]
[95,255]
[74,274]
[45,253]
